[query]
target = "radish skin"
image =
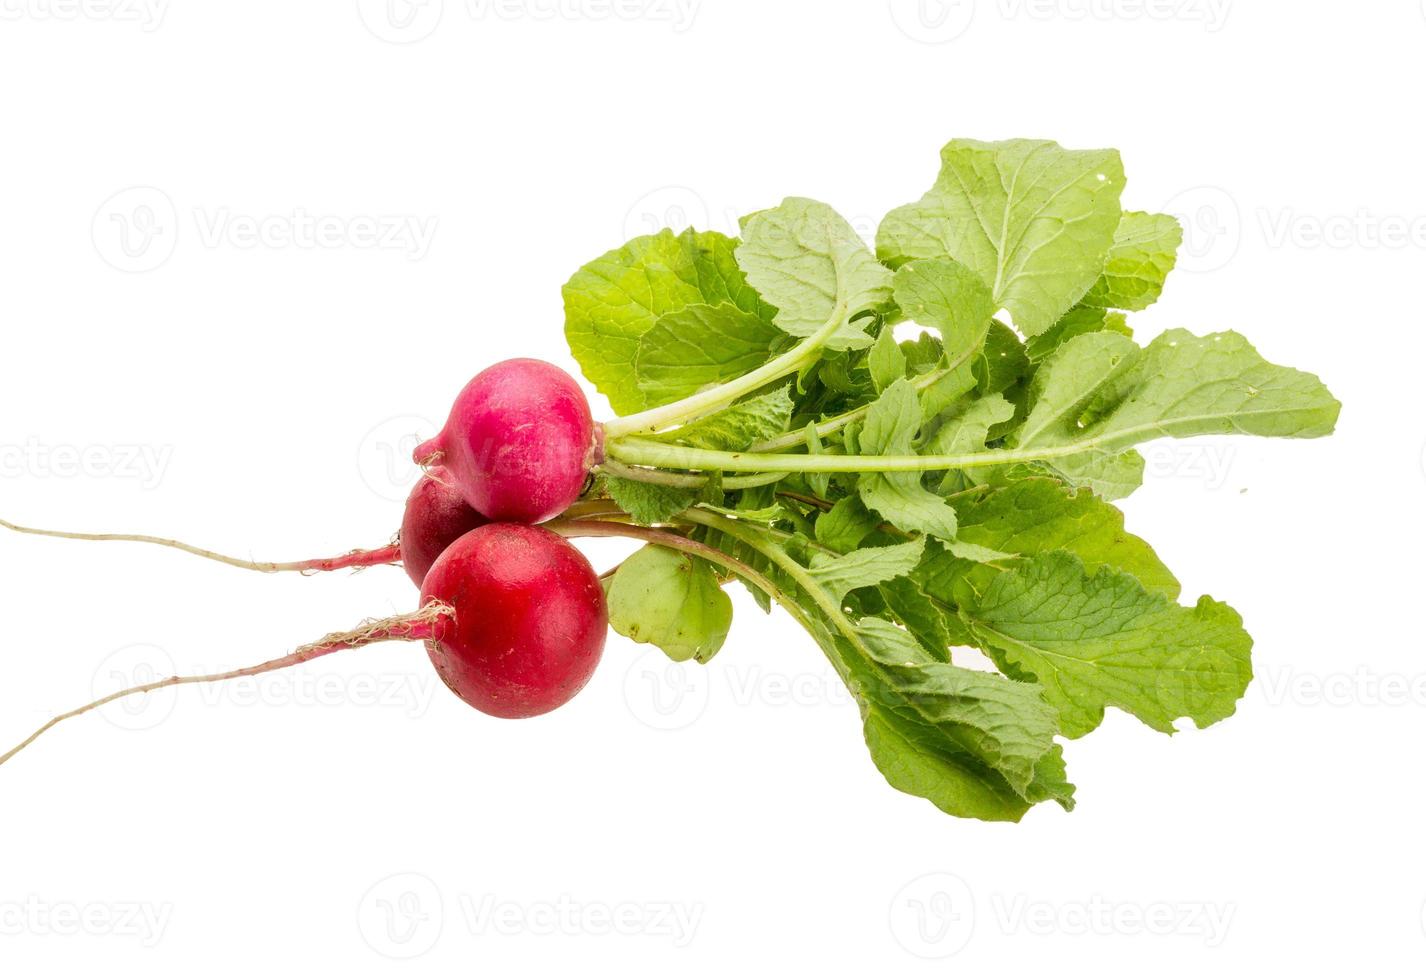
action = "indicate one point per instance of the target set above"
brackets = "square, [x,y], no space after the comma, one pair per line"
[436,514]
[520,441]
[530,619]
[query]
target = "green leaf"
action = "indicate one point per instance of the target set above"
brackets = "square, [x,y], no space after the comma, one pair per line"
[819,482]
[886,361]
[807,261]
[671,600]
[968,429]
[1064,385]
[1035,221]
[939,396]
[757,515]
[1001,363]
[1032,517]
[1187,386]
[649,503]
[1078,321]
[969,741]
[944,294]
[1052,781]
[953,783]
[1112,475]
[924,353]
[967,432]
[1100,394]
[1101,640]
[739,425]
[698,346]
[611,302]
[865,567]
[846,525]
[1141,258]
[889,430]
[935,625]
[1060,394]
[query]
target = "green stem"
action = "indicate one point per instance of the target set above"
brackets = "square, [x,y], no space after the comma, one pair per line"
[666,479]
[645,452]
[921,382]
[703,403]
[677,542]
[798,574]
[821,504]
[809,584]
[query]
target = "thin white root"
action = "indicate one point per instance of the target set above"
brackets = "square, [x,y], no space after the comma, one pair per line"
[408,626]
[305,567]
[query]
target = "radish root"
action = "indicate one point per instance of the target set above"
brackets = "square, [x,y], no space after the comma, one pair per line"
[361,558]
[420,625]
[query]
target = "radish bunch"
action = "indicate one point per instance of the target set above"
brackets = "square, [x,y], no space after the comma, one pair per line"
[513,616]
[528,617]
[899,497]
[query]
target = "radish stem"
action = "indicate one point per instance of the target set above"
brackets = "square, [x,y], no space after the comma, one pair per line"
[665,479]
[921,382]
[677,542]
[647,452]
[703,403]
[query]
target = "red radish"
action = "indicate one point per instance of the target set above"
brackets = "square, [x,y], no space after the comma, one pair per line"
[519,441]
[513,618]
[436,514]
[529,623]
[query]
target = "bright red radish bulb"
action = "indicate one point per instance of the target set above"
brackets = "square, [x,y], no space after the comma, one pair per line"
[529,623]
[519,441]
[436,514]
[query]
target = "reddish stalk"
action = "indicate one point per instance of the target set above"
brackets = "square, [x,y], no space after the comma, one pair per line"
[361,558]
[389,554]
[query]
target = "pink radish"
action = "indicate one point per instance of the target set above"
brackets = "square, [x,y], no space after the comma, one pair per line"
[518,446]
[529,623]
[513,618]
[520,441]
[436,514]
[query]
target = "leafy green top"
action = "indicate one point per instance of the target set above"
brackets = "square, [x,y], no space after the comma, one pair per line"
[905,495]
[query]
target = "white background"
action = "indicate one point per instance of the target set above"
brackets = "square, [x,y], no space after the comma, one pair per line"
[667,823]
